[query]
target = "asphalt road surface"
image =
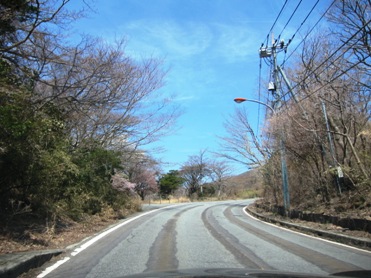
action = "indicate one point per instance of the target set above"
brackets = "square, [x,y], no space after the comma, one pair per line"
[203,235]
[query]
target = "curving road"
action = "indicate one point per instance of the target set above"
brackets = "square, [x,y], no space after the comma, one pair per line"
[204,235]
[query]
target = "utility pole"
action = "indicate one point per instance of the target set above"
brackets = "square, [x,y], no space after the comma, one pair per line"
[275,89]
[332,148]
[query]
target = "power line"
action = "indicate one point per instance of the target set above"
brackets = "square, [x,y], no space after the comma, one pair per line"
[288,21]
[327,59]
[333,79]
[336,51]
[310,31]
[260,77]
[274,23]
[284,47]
[314,71]
[305,19]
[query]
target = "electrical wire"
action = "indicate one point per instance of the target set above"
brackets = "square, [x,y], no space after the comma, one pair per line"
[274,23]
[288,21]
[333,79]
[310,31]
[259,96]
[343,72]
[305,19]
[268,61]
[333,54]
[333,63]
[327,59]
[285,59]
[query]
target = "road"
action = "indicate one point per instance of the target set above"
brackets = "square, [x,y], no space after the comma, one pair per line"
[204,235]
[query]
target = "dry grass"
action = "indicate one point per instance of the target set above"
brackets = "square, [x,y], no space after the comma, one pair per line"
[167,201]
[26,233]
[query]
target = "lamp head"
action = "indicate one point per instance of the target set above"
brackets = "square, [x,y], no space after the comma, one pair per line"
[240,99]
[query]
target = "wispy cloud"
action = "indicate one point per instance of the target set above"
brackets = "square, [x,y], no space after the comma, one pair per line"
[169,38]
[183,98]
[183,40]
[198,54]
[235,42]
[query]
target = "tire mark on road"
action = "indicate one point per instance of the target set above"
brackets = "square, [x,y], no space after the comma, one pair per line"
[243,254]
[325,262]
[162,255]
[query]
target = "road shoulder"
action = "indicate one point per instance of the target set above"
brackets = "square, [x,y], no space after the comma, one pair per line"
[336,235]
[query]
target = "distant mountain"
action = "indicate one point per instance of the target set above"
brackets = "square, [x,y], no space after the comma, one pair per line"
[249,180]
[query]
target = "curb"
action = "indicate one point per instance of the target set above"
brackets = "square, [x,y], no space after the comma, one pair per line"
[354,241]
[12,265]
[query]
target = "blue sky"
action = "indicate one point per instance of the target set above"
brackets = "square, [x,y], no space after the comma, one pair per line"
[211,48]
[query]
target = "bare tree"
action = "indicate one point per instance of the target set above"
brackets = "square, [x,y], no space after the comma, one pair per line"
[353,28]
[341,89]
[219,174]
[329,141]
[108,97]
[194,172]
[242,145]
[22,22]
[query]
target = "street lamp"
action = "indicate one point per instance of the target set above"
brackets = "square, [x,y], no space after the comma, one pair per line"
[285,181]
[241,99]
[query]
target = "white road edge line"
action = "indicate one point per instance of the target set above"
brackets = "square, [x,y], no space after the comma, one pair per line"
[93,240]
[53,267]
[98,237]
[292,231]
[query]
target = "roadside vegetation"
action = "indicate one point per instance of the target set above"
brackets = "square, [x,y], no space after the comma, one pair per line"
[73,120]
[75,115]
[324,121]
[202,179]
